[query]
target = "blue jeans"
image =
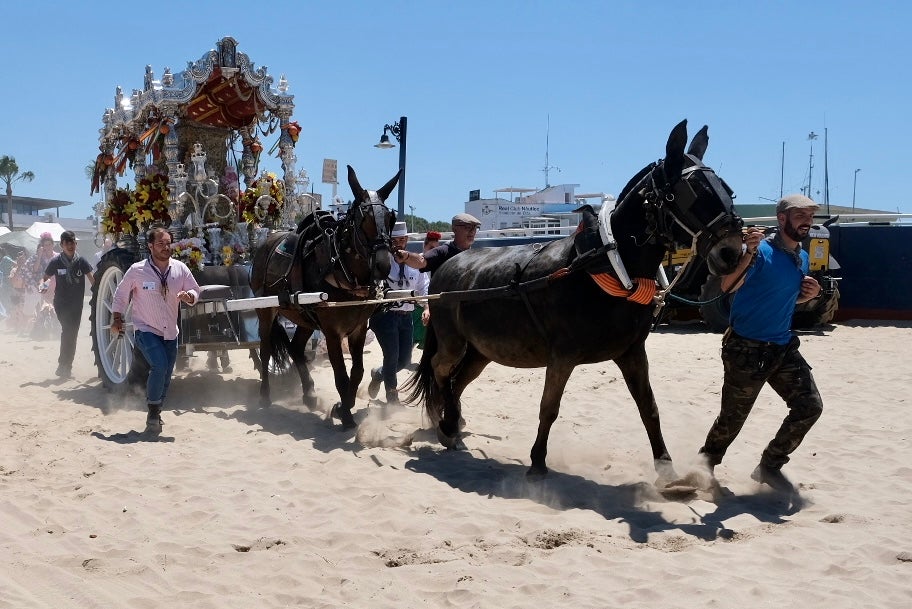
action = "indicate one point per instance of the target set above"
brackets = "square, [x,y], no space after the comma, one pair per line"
[393,330]
[160,355]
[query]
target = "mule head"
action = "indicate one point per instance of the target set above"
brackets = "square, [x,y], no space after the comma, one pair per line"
[688,204]
[373,222]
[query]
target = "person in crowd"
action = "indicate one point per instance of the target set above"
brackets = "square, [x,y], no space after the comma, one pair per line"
[156,286]
[7,264]
[34,270]
[70,271]
[108,245]
[393,325]
[465,226]
[759,347]
[18,319]
[421,314]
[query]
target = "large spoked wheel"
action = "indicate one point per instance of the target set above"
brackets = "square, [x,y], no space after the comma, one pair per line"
[114,355]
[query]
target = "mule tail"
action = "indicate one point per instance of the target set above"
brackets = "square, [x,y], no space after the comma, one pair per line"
[422,386]
[281,345]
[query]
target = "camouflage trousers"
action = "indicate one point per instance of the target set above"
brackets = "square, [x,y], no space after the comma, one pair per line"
[749,364]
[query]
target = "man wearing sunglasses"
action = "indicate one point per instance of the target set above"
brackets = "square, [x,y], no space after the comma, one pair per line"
[394,326]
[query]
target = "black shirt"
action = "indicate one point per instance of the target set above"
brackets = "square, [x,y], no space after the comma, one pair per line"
[438,256]
[70,281]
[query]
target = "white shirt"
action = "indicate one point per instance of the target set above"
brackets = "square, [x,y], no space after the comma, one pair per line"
[403,277]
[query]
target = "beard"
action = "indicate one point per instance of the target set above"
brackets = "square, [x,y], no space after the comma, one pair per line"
[796,233]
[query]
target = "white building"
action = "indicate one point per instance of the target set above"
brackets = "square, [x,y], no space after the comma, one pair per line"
[547,211]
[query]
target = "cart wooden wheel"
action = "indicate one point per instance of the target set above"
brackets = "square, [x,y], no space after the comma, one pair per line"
[115,359]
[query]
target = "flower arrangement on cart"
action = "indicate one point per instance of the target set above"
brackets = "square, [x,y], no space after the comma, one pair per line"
[216,239]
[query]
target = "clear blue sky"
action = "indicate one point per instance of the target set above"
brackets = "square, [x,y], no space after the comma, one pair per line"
[479,79]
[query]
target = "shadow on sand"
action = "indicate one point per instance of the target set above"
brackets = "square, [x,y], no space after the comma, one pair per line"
[490,478]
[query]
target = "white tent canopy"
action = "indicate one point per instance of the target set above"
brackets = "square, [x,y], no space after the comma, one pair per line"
[4,230]
[37,228]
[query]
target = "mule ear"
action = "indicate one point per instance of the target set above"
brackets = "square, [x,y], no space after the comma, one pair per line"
[387,188]
[354,183]
[674,152]
[699,143]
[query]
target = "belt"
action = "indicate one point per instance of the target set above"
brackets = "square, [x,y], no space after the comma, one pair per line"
[730,333]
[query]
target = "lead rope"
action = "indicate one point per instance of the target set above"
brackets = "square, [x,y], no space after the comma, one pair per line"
[659,298]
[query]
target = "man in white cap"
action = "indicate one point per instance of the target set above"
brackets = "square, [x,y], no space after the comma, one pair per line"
[393,324]
[464,228]
[759,347]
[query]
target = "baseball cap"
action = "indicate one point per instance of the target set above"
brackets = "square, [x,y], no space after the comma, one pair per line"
[399,230]
[467,219]
[795,202]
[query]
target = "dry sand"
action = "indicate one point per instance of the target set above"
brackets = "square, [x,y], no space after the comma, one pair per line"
[238,506]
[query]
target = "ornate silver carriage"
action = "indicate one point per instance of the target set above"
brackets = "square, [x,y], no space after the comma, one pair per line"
[179,136]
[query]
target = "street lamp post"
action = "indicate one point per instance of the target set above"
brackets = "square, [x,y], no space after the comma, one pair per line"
[854,183]
[398,129]
[412,225]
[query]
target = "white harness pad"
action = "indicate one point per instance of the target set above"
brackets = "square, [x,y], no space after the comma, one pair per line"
[604,224]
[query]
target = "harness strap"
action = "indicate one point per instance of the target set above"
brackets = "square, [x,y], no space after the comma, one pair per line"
[642,294]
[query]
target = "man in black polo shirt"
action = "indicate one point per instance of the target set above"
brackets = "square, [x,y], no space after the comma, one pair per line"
[70,271]
[465,226]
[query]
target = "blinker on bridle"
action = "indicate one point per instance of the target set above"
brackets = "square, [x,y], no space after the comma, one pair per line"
[675,201]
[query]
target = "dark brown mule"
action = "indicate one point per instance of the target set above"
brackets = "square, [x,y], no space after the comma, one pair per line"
[557,316]
[345,258]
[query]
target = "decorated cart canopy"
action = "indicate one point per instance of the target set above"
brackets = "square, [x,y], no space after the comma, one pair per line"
[194,142]
[185,152]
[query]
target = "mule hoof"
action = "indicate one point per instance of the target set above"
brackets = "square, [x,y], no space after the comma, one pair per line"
[344,415]
[453,442]
[536,474]
[666,472]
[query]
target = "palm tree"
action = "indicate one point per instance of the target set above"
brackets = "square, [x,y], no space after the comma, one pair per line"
[9,173]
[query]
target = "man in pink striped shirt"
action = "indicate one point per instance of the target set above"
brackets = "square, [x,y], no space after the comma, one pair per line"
[156,286]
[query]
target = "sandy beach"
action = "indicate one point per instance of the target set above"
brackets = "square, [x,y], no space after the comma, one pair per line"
[237,506]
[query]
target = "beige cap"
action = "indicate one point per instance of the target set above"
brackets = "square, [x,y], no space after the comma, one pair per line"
[795,202]
[466,219]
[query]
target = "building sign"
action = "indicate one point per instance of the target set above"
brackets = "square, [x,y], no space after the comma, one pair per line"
[330,171]
[474,195]
[518,211]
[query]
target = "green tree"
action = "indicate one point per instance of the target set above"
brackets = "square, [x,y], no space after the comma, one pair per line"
[9,173]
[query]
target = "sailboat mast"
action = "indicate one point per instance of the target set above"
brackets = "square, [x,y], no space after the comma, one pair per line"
[547,146]
[782,169]
[810,193]
[826,173]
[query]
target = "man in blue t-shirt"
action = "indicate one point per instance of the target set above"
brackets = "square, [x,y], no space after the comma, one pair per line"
[759,347]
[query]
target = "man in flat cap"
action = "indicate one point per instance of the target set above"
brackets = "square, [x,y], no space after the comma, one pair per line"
[464,228]
[759,346]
